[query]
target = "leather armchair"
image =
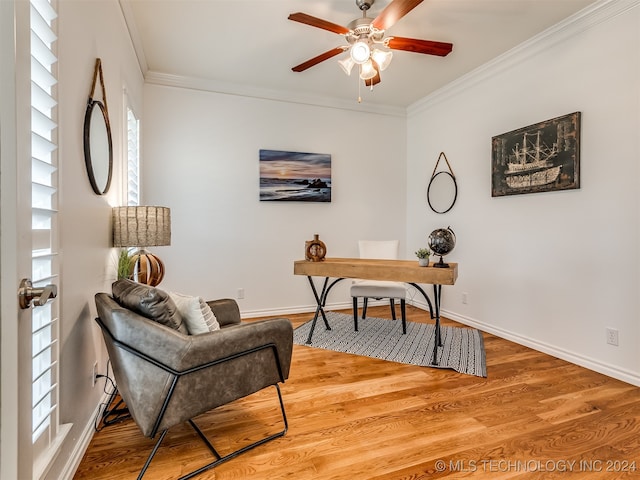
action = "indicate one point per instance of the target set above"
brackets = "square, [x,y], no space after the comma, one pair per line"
[167,377]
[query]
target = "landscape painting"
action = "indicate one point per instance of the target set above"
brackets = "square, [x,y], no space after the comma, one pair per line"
[294,176]
[539,158]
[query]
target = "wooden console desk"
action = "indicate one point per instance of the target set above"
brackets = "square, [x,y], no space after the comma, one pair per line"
[407,271]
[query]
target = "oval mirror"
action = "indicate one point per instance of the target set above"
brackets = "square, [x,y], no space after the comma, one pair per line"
[98,150]
[442,192]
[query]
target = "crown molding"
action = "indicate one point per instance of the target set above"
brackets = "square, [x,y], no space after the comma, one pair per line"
[227,88]
[159,78]
[134,36]
[215,86]
[585,19]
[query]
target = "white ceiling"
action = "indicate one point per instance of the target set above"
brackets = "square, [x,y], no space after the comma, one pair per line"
[251,44]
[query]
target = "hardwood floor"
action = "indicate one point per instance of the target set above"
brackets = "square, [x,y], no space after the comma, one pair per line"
[354,418]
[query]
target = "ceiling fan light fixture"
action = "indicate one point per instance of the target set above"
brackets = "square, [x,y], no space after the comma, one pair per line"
[367,44]
[347,65]
[382,58]
[367,70]
[360,52]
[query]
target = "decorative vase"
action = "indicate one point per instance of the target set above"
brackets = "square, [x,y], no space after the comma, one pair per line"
[424,262]
[315,250]
[145,267]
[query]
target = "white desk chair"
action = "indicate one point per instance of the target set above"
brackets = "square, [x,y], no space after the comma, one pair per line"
[382,250]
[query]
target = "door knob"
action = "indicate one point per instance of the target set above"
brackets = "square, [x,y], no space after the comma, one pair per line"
[39,295]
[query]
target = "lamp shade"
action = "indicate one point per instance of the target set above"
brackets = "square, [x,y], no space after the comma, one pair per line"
[347,65]
[367,70]
[141,226]
[382,57]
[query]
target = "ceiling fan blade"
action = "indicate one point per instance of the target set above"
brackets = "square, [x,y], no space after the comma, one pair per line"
[428,47]
[320,58]
[318,22]
[394,12]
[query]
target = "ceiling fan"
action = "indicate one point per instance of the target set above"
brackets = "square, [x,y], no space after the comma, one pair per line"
[367,45]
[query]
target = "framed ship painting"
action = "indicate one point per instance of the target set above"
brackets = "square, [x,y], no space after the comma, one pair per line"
[294,176]
[539,158]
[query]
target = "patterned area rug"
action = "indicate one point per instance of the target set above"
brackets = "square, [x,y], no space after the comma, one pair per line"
[462,350]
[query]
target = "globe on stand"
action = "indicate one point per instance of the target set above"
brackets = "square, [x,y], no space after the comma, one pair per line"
[441,242]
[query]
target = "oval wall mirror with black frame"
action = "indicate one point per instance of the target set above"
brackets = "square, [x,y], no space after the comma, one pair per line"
[442,191]
[98,148]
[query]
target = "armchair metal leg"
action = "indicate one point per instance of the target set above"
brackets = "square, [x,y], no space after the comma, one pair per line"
[393,308]
[219,459]
[205,439]
[403,313]
[152,454]
[364,308]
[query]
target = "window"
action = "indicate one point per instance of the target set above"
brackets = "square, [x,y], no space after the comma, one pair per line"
[45,430]
[133,158]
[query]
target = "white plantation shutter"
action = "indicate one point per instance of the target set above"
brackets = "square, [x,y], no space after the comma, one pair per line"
[133,159]
[46,434]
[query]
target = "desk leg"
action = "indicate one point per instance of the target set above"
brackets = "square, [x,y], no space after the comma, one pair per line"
[319,305]
[437,292]
[424,294]
[321,300]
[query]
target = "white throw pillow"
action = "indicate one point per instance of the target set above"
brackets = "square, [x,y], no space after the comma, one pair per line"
[209,317]
[196,313]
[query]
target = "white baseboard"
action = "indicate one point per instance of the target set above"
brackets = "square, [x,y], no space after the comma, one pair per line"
[553,350]
[303,309]
[73,461]
[587,362]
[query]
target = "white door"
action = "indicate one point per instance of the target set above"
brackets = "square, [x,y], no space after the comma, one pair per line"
[28,181]
[15,263]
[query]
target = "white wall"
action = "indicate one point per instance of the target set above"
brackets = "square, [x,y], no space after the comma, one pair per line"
[201,160]
[87,30]
[549,270]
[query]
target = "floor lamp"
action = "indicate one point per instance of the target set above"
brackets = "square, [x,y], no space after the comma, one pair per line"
[143,226]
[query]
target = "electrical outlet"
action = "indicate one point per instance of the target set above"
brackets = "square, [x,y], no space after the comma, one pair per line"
[612,336]
[465,297]
[94,372]
[240,294]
